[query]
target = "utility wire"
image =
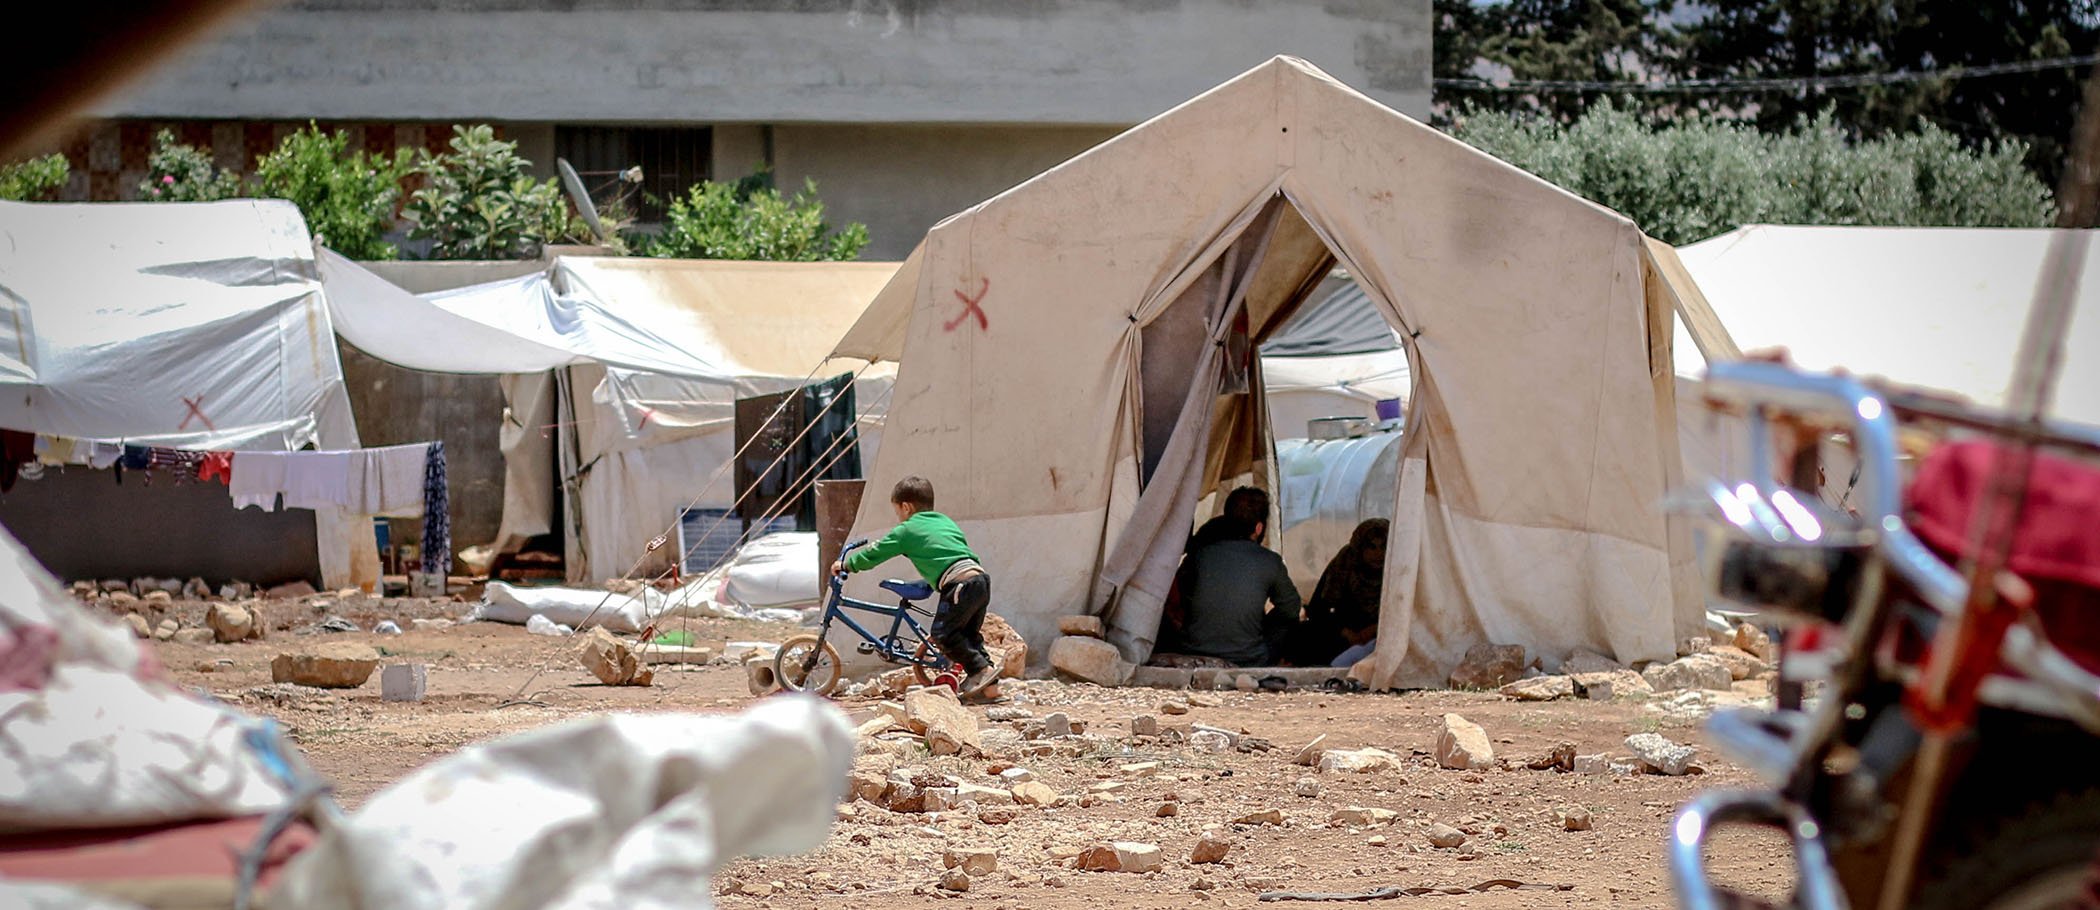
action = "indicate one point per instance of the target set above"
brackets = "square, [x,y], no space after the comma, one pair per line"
[1745,86]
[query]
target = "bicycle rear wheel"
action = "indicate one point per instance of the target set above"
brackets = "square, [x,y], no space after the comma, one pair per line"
[924,655]
[807,663]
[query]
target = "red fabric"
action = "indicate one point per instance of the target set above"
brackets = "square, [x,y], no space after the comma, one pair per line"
[2058,538]
[179,851]
[2056,547]
[216,466]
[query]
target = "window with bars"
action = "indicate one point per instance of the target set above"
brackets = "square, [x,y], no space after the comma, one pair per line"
[672,159]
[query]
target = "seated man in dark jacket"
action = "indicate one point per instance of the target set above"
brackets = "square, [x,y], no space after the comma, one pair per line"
[1226,584]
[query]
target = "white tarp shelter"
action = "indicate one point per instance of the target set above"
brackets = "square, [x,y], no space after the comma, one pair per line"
[638,363]
[186,325]
[1935,308]
[1071,353]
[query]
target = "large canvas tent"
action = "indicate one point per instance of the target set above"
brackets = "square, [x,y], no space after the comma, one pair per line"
[1072,351]
[197,326]
[621,377]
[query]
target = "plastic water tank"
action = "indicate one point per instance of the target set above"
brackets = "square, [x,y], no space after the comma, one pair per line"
[1328,487]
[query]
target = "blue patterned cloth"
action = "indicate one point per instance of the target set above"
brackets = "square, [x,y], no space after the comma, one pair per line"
[437,513]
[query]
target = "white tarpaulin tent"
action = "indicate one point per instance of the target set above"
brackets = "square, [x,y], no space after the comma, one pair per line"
[1937,308]
[195,326]
[648,357]
[1063,347]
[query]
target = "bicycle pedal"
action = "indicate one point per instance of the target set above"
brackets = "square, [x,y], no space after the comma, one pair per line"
[866,647]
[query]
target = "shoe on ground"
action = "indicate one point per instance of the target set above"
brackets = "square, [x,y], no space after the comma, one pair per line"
[977,682]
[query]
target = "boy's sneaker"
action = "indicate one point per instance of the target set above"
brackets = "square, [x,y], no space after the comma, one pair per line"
[982,679]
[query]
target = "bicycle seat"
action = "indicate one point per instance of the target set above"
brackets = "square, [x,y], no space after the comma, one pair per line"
[909,590]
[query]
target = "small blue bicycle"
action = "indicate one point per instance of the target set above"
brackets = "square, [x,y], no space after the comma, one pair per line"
[808,662]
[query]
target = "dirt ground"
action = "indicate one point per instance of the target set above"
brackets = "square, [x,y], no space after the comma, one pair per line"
[487,680]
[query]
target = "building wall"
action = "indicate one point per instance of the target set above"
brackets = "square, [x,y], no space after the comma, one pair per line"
[1070,62]
[900,180]
[81,524]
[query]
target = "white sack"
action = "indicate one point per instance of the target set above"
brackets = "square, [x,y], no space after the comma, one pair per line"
[577,608]
[626,811]
[774,570]
[92,734]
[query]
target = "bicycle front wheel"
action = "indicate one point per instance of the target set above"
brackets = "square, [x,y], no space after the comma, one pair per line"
[807,663]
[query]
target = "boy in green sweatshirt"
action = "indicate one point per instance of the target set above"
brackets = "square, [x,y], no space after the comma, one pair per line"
[937,549]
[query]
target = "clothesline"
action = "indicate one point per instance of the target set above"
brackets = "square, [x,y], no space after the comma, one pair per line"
[391,481]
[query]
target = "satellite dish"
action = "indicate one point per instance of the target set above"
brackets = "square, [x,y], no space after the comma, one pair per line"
[581,197]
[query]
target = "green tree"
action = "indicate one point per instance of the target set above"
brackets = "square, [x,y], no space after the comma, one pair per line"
[347,198]
[478,202]
[184,173]
[750,219]
[1762,39]
[34,179]
[1549,40]
[1690,180]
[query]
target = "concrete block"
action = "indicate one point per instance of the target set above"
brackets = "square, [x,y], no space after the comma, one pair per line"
[402,682]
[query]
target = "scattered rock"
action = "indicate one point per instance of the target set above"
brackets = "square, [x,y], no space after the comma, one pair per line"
[166,630]
[1210,741]
[1696,645]
[328,665]
[403,682]
[1307,787]
[1057,723]
[999,815]
[123,600]
[1599,763]
[1754,641]
[138,625]
[339,624]
[194,637]
[1085,626]
[158,598]
[1489,666]
[949,728]
[196,589]
[612,660]
[1167,810]
[1246,683]
[1359,761]
[1741,664]
[973,860]
[1598,687]
[1039,794]
[1309,754]
[1144,725]
[866,785]
[1540,688]
[430,625]
[1660,756]
[1363,817]
[230,623]
[1005,644]
[1583,661]
[1575,818]
[1140,769]
[1013,776]
[1445,836]
[290,591]
[238,590]
[1174,707]
[1000,714]
[1209,849]
[114,585]
[1090,660]
[955,880]
[1463,745]
[1698,671]
[1264,817]
[1562,758]
[1121,856]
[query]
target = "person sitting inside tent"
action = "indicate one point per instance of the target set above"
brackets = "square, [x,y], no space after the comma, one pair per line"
[1227,581]
[1343,612]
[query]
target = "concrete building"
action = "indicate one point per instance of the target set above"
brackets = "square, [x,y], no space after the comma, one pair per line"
[903,111]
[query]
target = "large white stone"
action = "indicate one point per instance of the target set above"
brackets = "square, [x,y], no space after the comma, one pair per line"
[1698,671]
[1660,756]
[1090,659]
[1464,745]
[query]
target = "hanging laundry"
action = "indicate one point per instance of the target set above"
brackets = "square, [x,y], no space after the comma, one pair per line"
[62,450]
[103,455]
[216,466]
[437,513]
[307,480]
[258,479]
[388,480]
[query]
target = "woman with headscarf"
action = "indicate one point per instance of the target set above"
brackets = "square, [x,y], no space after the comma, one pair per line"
[1343,611]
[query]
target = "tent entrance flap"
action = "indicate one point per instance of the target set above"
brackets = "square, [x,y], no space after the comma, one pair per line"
[1135,576]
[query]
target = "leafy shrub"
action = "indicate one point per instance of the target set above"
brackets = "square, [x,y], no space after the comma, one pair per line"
[478,202]
[1689,180]
[35,179]
[750,219]
[184,173]
[346,198]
